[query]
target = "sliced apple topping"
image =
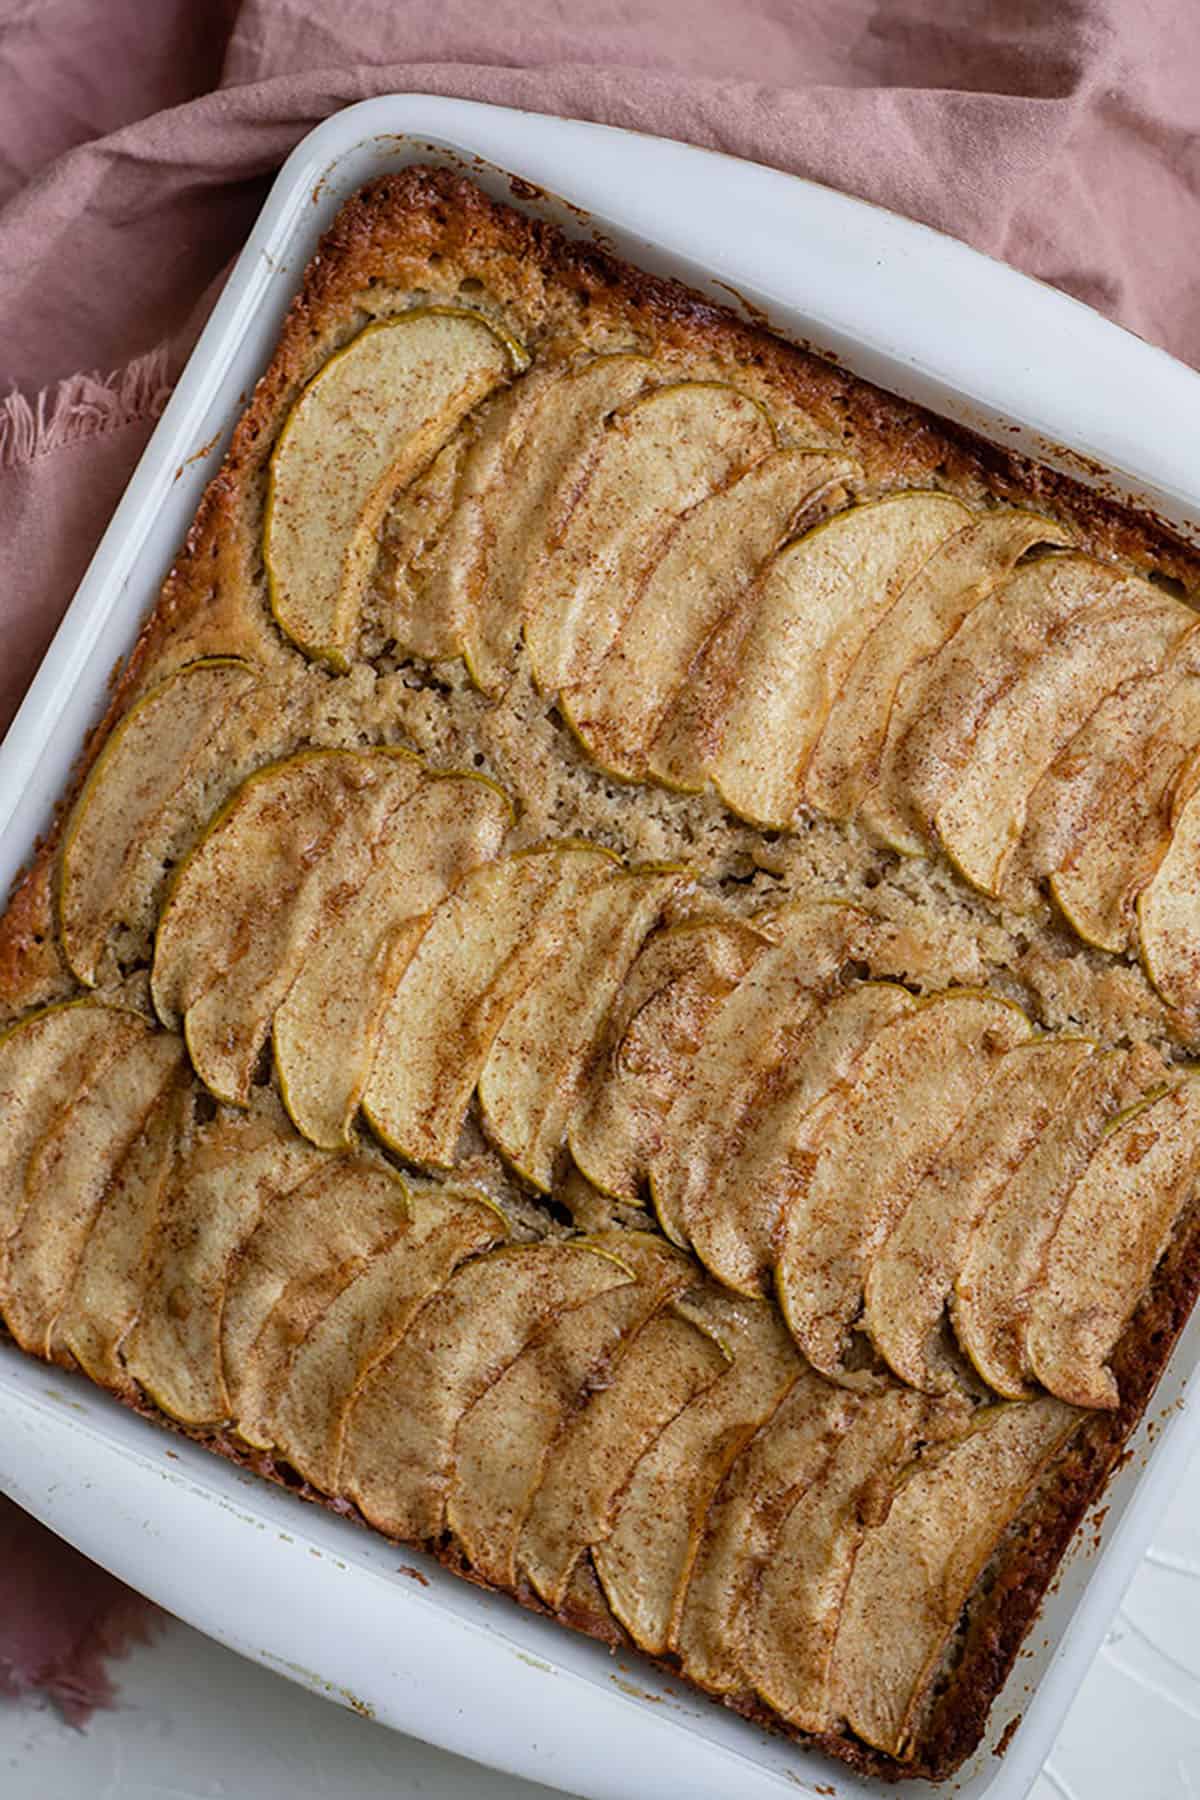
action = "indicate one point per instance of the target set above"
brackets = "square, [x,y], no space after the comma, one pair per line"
[708,563]
[658,456]
[364,1321]
[399,1444]
[669,1361]
[532,1083]
[950,1512]
[1007,1249]
[910,1281]
[912,1087]
[783,1460]
[814,608]
[506,1438]
[792,1627]
[658,1022]
[367,423]
[324,1033]
[1115,1226]
[645,1561]
[236,1168]
[71,1169]
[960,572]
[146,760]
[482,950]
[1168,916]
[744,1044]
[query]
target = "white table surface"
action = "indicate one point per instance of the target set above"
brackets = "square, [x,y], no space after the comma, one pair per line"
[195,1722]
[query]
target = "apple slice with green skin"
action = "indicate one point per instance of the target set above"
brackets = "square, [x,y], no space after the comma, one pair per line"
[775,1469]
[483,948]
[816,605]
[961,570]
[982,807]
[914,1083]
[145,762]
[1008,1247]
[791,1630]
[1116,1224]
[658,1021]
[370,419]
[746,1040]
[542,464]
[949,1514]
[734,1223]
[71,1170]
[413,532]
[1168,917]
[532,1083]
[46,1061]
[936,720]
[708,562]
[666,1365]
[346,1211]
[506,1438]
[106,1293]
[911,1279]
[324,1033]
[364,1321]
[645,1561]
[399,1443]
[658,456]
[237,1167]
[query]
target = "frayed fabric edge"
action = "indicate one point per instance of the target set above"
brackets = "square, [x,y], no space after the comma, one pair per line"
[82,406]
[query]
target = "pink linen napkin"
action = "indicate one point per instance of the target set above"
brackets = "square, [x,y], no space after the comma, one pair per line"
[138,137]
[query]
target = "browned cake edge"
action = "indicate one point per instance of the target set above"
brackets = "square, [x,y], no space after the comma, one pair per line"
[400,223]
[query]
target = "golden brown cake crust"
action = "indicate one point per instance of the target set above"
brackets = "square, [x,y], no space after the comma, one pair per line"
[430,229]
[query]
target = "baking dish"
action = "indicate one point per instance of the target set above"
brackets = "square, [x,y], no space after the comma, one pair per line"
[889,297]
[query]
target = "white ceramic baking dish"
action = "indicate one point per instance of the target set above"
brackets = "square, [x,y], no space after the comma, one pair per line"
[309,1594]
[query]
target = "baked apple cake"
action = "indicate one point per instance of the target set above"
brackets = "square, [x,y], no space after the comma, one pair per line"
[613,995]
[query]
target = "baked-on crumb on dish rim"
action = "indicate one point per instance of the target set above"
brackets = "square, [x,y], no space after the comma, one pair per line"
[613,994]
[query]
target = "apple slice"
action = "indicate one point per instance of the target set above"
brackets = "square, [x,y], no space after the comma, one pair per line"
[734,1222]
[745,1042]
[775,1469]
[71,1170]
[667,1363]
[106,1293]
[936,718]
[532,1083]
[645,1561]
[658,456]
[46,1061]
[657,1023]
[140,771]
[540,467]
[348,1209]
[912,1277]
[945,1523]
[982,807]
[708,562]
[912,1087]
[1168,918]
[791,1629]
[961,570]
[506,1438]
[366,1319]
[237,1167]
[484,946]
[324,1033]
[399,1443]
[816,604]
[1008,1247]
[367,422]
[1116,1224]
